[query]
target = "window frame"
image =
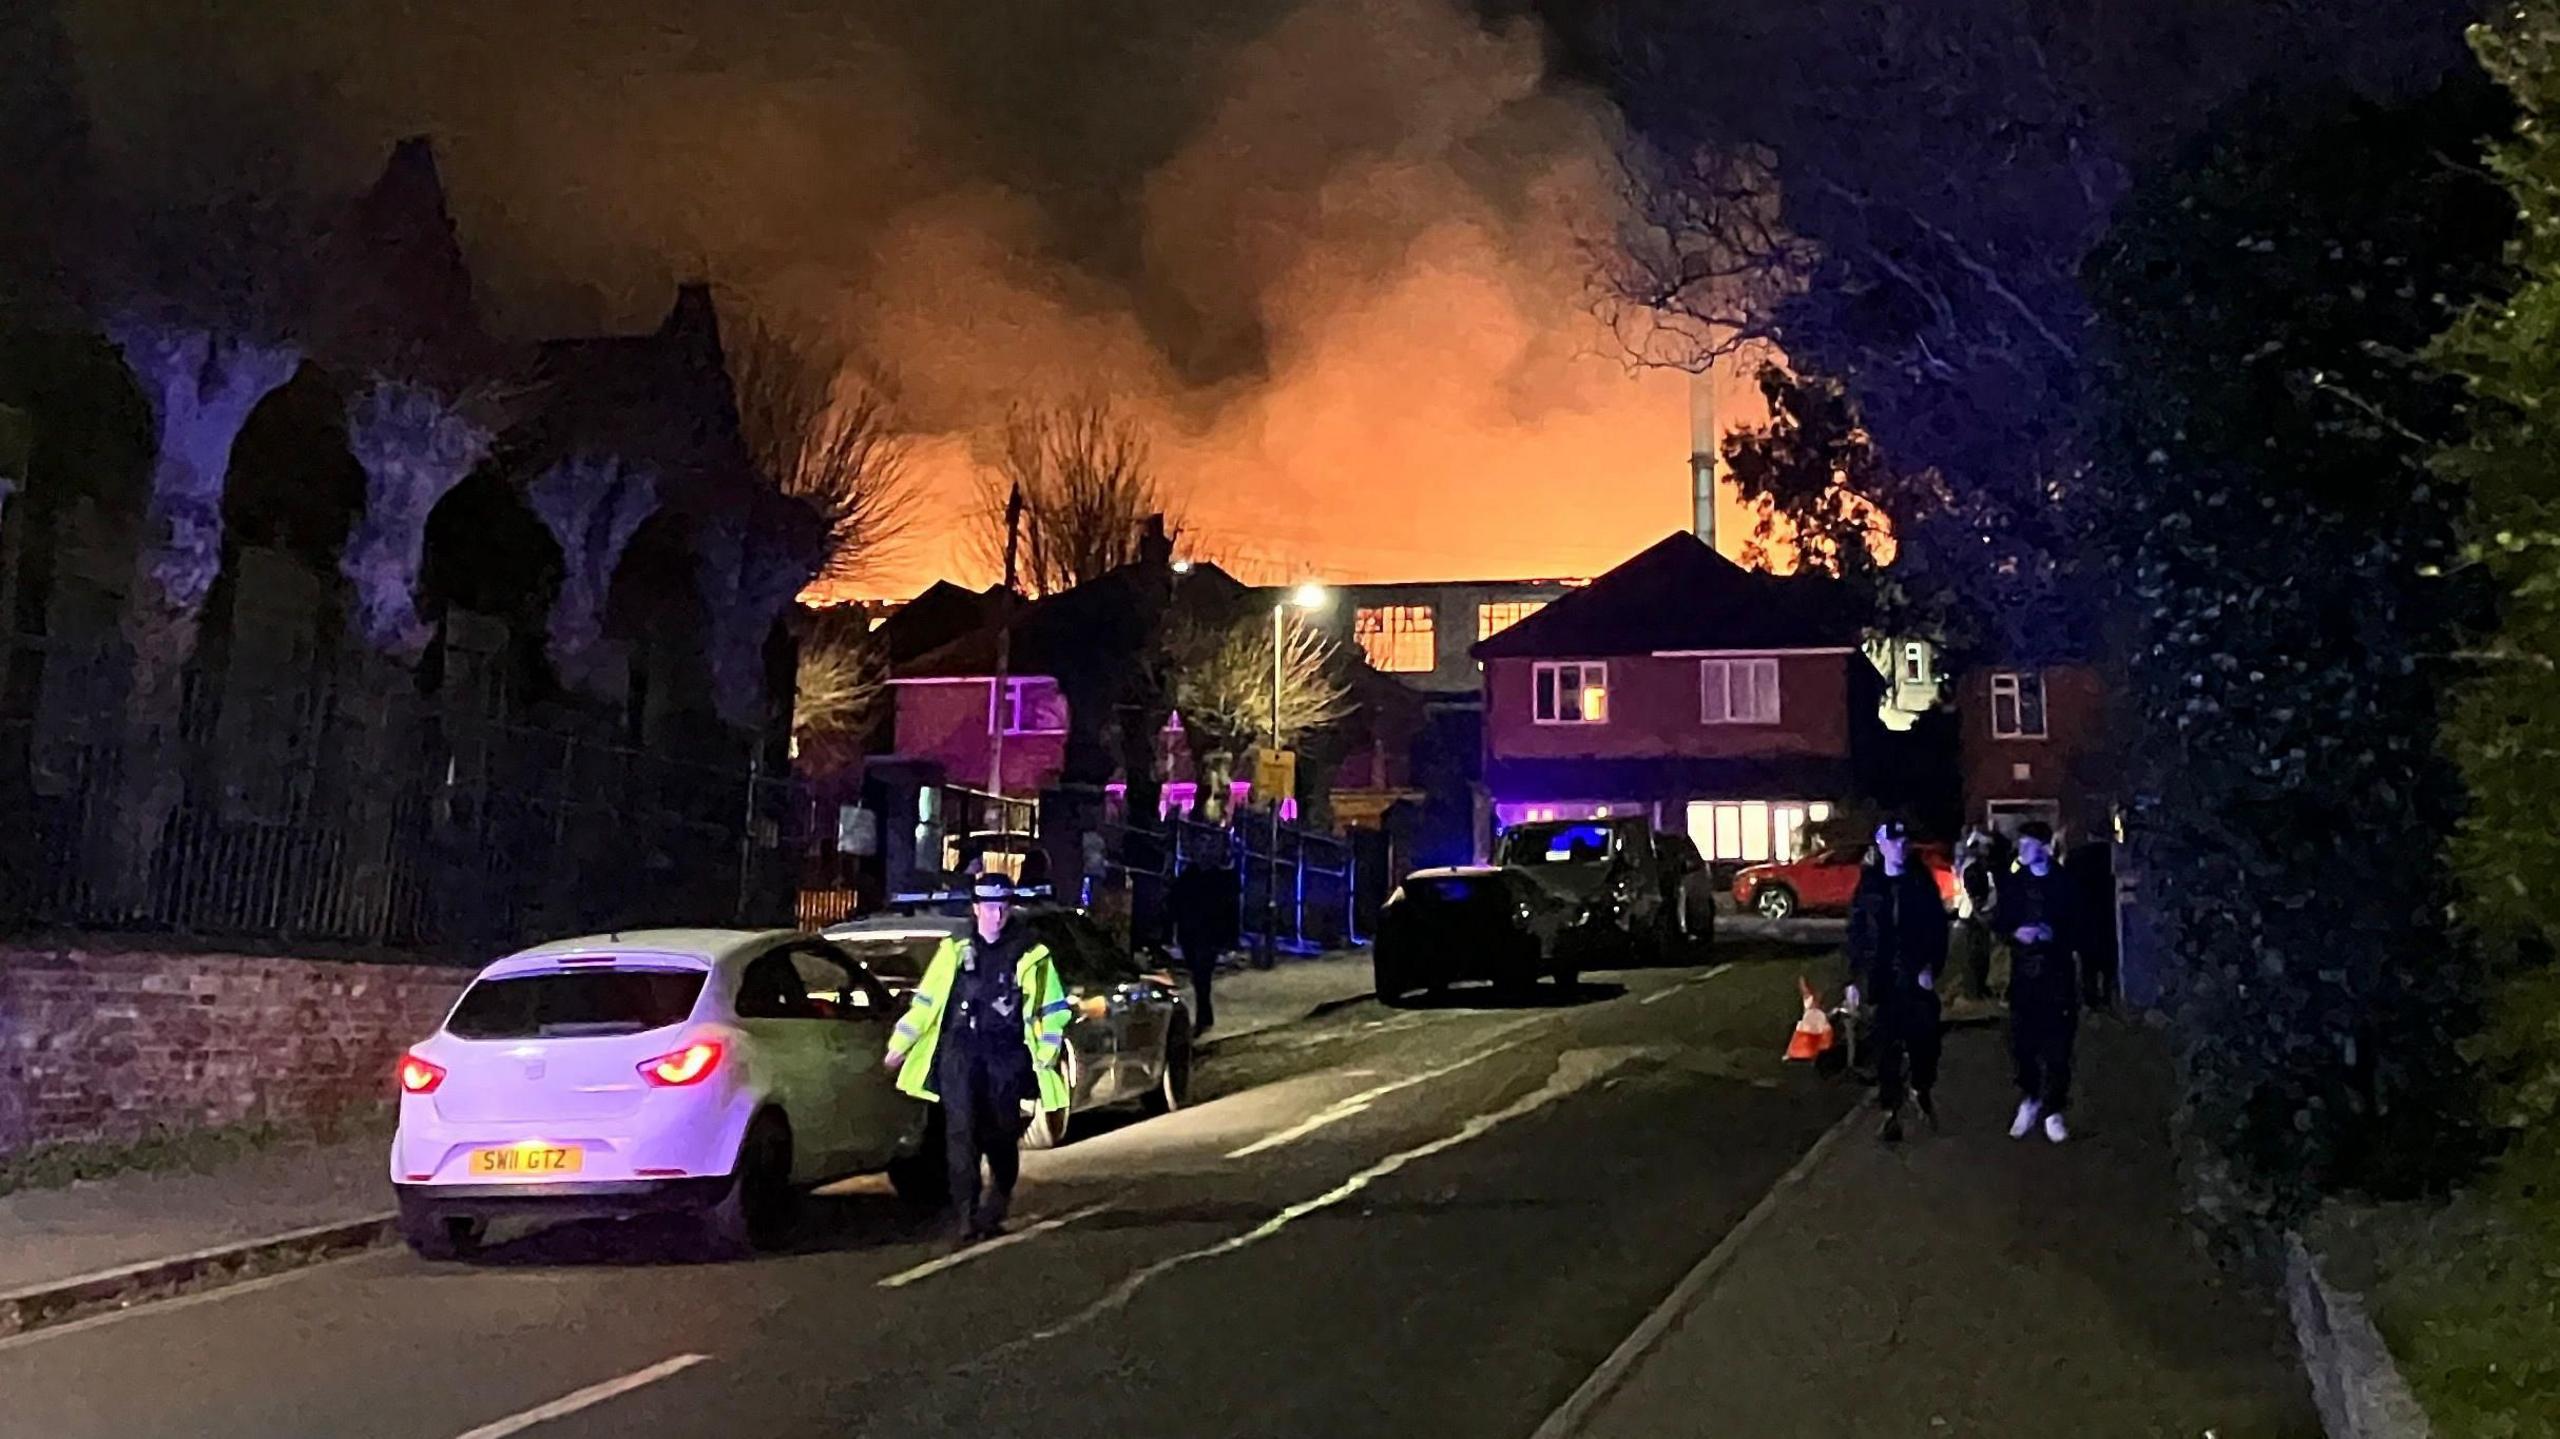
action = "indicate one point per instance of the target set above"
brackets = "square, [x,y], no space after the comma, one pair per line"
[1390,635]
[1009,709]
[1518,610]
[1546,680]
[1726,665]
[2012,686]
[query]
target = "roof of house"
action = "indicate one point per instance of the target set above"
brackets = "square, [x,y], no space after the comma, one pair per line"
[1679,594]
[1051,632]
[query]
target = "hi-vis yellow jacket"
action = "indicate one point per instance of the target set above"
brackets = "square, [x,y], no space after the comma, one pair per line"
[1045,1011]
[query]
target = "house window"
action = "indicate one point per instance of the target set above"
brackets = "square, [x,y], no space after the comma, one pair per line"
[1397,638]
[2017,704]
[1572,692]
[1739,691]
[1034,706]
[1915,663]
[1751,831]
[1495,616]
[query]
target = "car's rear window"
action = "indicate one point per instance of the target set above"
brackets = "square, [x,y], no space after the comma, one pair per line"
[575,1002]
[1456,888]
[1535,844]
[898,958]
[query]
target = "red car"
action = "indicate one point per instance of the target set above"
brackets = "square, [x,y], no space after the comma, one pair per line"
[1823,881]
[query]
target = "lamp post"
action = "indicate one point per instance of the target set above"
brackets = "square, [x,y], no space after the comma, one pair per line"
[1310,597]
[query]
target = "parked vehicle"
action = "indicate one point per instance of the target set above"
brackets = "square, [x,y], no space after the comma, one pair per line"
[1627,885]
[1476,922]
[1822,882]
[1130,1040]
[716,1073]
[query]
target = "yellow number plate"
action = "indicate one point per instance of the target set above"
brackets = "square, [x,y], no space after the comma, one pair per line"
[529,1159]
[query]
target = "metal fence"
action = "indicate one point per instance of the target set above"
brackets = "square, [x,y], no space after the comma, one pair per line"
[1307,890]
[317,815]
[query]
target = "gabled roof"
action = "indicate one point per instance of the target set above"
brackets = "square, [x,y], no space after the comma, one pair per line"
[1678,595]
[943,613]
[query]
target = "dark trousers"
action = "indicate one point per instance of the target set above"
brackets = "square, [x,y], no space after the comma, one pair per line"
[1907,1042]
[1973,955]
[2044,1020]
[1201,958]
[981,1119]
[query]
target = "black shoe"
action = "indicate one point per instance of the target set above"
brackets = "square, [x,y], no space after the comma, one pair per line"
[1892,1131]
[1928,1109]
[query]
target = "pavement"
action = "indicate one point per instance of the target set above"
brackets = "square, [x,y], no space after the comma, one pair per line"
[1459,1218]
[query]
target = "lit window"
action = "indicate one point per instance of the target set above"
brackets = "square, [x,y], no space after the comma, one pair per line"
[1495,616]
[1397,638]
[1738,691]
[1915,663]
[1572,692]
[2017,704]
[1818,811]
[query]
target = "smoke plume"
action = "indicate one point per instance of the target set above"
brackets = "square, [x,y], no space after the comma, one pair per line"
[1328,250]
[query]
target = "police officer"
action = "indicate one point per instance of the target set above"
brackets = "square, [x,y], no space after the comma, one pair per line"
[982,1037]
[1897,946]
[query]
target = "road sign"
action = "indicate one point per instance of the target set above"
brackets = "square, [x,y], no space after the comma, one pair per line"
[1275,775]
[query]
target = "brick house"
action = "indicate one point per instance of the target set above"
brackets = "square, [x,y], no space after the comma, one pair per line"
[1729,704]
[2033,748]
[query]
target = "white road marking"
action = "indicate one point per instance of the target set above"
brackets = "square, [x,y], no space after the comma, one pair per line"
[932,1267]
[586,1398]
[1660,995]
[1575,1069]
[1577,1409]
[1343,1109]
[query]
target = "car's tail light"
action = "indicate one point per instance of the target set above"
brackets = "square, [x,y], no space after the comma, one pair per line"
[689,1065]
[419,1077]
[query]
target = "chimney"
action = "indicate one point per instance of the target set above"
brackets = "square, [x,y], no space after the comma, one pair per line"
[1702,458]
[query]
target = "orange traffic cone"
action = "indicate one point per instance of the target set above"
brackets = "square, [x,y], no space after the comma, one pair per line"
[1813,1037]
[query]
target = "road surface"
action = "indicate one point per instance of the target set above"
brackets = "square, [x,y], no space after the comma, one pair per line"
[1376,1223]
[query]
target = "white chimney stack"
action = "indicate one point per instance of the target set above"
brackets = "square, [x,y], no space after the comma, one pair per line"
[1702,457]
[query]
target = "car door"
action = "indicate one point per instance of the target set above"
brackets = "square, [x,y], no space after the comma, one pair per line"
[1094,1039]
[1643,871]
[858,1013]
[1832,878]
[797,1053]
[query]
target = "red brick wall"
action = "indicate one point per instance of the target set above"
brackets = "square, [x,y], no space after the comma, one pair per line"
[112,1045]
[2059,767]
[1655,707]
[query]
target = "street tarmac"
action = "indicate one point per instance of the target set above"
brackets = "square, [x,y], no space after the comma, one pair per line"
[1379,1222]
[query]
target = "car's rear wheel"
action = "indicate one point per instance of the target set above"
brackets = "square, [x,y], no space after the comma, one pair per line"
[924,1177]
[1775,902]
[1390,982]
[1048,1128]
[756,1211]
[1173,1090]
[440,1237]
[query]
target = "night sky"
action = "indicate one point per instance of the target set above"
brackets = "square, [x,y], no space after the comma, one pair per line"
[1329,249]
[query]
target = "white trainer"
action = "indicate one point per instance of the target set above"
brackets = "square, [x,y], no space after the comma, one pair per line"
[2055,1129]
[2025,1124]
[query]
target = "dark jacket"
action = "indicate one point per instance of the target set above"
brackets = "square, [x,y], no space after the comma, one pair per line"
[2028,898]
[1897,931]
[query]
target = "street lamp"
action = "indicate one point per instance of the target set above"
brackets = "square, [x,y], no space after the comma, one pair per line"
[1310,597]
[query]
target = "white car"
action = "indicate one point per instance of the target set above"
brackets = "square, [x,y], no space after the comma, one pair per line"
[712,1072]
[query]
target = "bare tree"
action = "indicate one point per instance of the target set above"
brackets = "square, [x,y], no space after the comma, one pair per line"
[592,505]
[1088,485]
[1220,667]
[827,432]
[843,678]
[751,560]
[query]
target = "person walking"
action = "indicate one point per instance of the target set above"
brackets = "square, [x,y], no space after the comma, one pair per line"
[982,1037]
[2036,915]
[1204,923]
[1976,896]
[1897,946]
